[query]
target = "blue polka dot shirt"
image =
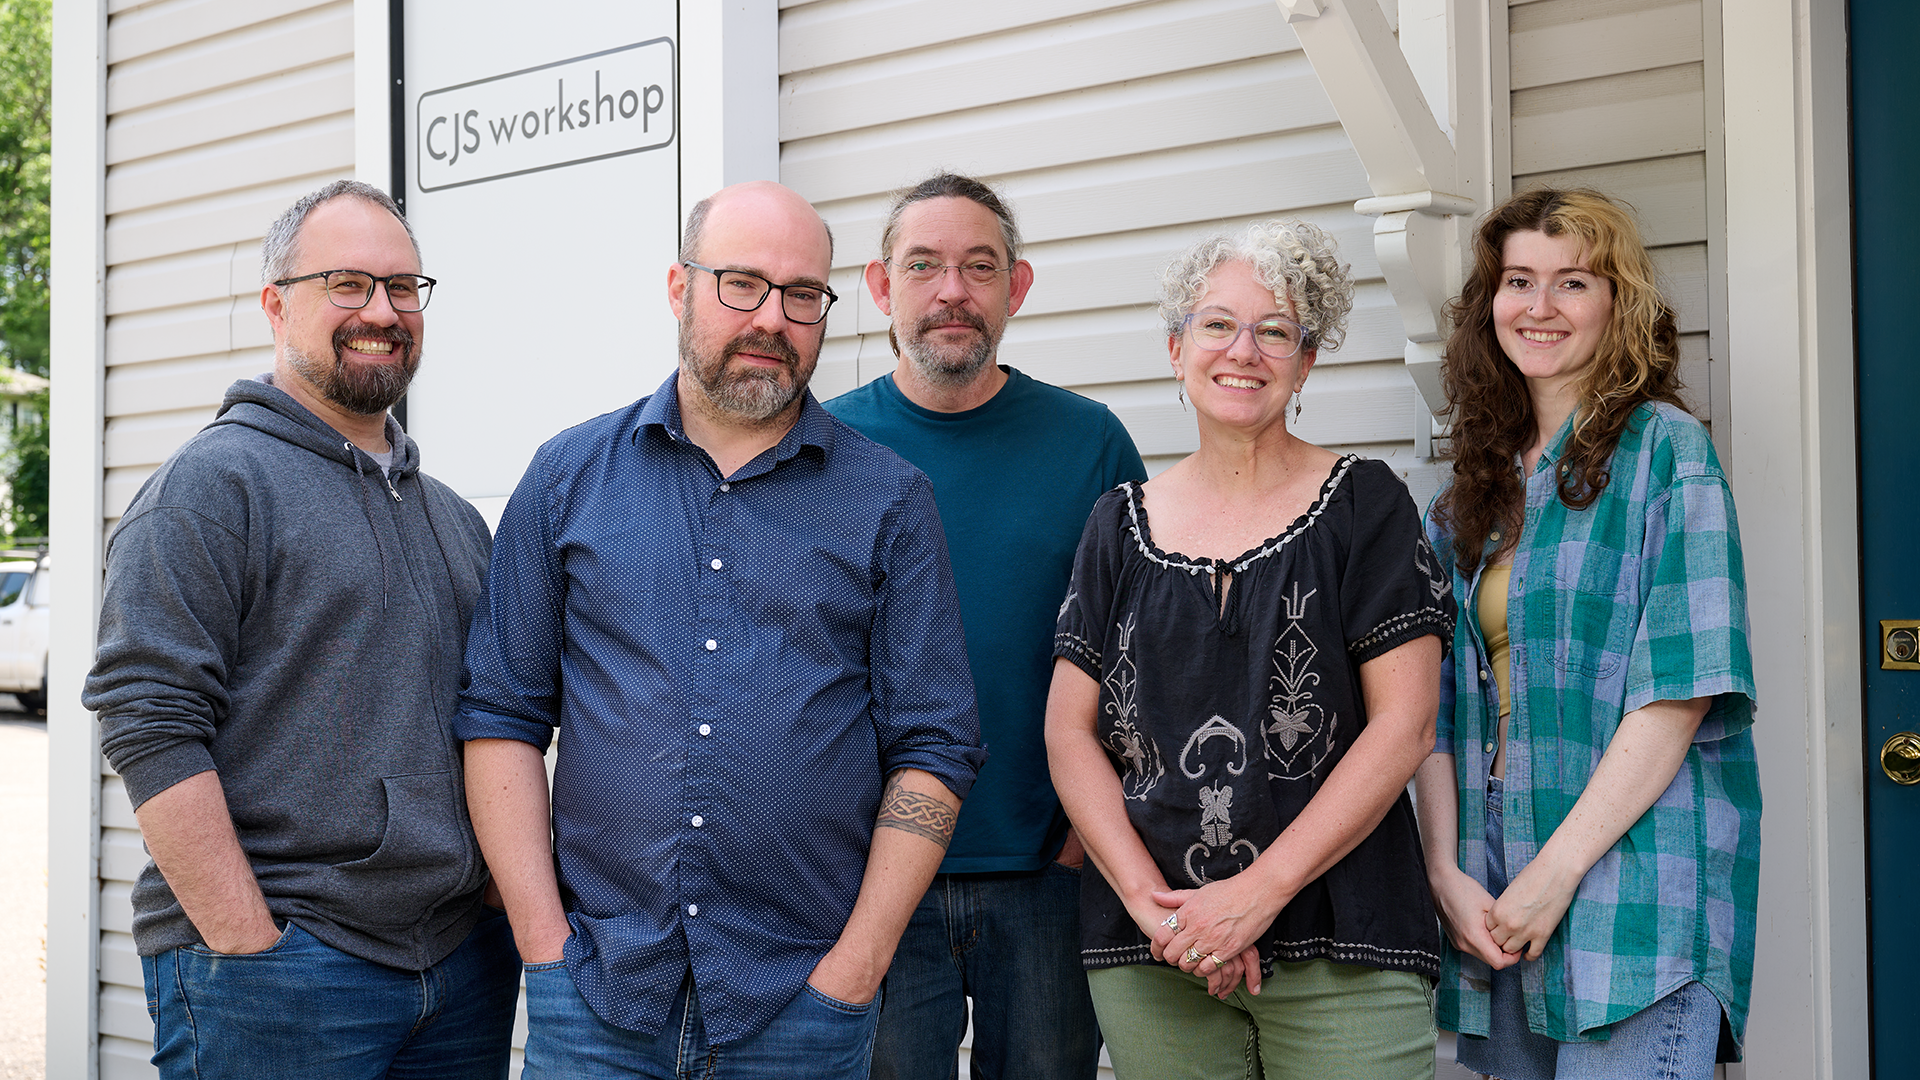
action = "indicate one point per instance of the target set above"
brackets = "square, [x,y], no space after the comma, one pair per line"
[736,663]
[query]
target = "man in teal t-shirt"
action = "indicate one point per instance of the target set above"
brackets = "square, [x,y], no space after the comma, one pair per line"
[1016,465]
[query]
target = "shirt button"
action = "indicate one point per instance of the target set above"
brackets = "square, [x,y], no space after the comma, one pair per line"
[715,564]
[693,909]
[726,487]
[1489,749]
[706,729]
[698,821]
[1484,673]
[712,644]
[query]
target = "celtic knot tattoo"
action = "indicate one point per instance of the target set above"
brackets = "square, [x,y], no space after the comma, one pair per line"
[910,811]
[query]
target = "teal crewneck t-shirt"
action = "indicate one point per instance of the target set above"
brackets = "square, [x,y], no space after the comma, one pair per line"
[1014,480]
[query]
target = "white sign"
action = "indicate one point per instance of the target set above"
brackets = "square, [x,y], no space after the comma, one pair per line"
[569,112]
[543,180]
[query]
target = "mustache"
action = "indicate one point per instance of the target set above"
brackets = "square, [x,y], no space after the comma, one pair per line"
[947,317]
[760,341]
[399,336]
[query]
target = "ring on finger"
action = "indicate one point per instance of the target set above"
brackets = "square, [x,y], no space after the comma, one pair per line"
[1172,922]
[1217,962]
[1194,955]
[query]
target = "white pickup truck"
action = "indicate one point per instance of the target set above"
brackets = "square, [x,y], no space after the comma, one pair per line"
[25,590]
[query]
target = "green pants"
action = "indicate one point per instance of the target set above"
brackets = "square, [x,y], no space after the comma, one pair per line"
[1315,1019]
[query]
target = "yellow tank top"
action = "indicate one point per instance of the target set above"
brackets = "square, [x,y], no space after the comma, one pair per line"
[1492,608]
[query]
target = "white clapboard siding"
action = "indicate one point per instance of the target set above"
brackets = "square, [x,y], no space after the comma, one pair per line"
[219,114]
[1614,95]
[1120,133]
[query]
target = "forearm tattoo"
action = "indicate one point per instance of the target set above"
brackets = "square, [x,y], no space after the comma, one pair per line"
[910,811]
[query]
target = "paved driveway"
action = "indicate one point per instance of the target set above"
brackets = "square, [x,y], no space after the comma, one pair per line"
[23,893]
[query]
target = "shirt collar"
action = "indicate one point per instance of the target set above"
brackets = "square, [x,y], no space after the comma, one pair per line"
[814,429]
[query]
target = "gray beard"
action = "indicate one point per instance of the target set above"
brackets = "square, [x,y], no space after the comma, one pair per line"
[755,397]
[365,390]
[948,369]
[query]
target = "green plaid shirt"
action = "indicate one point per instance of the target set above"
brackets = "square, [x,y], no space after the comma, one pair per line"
[1639,598]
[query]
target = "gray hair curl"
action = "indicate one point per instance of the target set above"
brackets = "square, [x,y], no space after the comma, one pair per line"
[1294,259]
[280,251]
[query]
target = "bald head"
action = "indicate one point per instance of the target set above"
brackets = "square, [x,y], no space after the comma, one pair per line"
[759,200]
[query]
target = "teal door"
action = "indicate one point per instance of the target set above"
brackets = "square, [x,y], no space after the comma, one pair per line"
[1886,178]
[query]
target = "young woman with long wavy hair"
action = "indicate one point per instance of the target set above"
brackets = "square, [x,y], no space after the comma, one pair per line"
[1590,814]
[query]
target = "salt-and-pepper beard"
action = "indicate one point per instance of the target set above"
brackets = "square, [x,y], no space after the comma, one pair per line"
[751,395]
[364,389]
[955,366]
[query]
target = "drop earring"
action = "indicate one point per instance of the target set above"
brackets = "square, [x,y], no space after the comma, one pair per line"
[1296,405]
[1183,395]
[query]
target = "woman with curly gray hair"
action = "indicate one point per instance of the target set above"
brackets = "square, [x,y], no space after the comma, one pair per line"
[1247,674]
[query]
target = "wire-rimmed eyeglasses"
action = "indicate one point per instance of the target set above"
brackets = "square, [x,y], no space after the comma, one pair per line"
[743,291]
[921,271]
[1276,339]
[353,289]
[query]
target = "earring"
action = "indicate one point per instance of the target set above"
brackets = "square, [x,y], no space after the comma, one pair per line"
[1183,395]
[1296,405]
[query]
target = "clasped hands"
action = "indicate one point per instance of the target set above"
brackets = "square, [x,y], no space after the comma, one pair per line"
[1211,932]
[1513,927]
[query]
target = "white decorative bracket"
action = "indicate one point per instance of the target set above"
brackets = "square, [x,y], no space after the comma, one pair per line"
[1411,165]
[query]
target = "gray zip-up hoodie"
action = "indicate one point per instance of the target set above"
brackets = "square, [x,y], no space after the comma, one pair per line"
[279,610]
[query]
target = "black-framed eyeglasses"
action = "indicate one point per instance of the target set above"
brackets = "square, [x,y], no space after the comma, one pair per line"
[1276,339]
[353,289]
[922,271]
[743,291]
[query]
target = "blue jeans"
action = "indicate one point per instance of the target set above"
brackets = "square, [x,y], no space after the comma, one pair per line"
[1010,942]
[304,1008]
[1675,1038]
[815,1036]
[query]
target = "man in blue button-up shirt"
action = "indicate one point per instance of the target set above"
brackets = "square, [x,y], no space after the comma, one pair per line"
[741,612]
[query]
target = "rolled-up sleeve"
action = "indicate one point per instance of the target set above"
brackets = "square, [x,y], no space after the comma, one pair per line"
[513,650]
[924,708]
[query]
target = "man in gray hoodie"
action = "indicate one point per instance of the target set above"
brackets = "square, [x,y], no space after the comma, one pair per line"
[286,604]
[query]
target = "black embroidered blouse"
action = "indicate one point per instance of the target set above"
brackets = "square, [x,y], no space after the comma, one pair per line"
[1222,724]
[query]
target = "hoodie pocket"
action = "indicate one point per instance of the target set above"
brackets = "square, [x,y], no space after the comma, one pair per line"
[424,856]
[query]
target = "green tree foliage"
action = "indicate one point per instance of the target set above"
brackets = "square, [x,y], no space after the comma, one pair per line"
[26,143]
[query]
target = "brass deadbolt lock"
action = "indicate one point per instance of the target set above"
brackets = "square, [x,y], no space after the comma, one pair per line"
[1900,644]
[1900,758]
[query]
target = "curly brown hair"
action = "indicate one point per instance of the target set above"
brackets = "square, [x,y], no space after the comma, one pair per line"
[1637,360]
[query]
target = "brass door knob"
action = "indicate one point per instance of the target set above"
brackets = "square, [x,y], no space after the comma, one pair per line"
[1900,758]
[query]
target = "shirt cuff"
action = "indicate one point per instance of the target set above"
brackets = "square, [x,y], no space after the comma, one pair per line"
[954,764]
[471,723]
[154,773]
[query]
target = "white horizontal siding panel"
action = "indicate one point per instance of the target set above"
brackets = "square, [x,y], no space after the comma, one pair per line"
[817,35]
[118,490]
[1193,186]
[246,109]
[1695,368]
[1126,43]
[120,962]
[1644,114]
[116,906]
[123,1013]
[192,330]
[199,381]
[171,280]
[161,26]
[301,149]
[1559,41]
[197,223]
[1219,103]
[1668,196]
[127,1059]
[116,810]
[264,49]
[148,438]
[122,855]
[1683,277]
